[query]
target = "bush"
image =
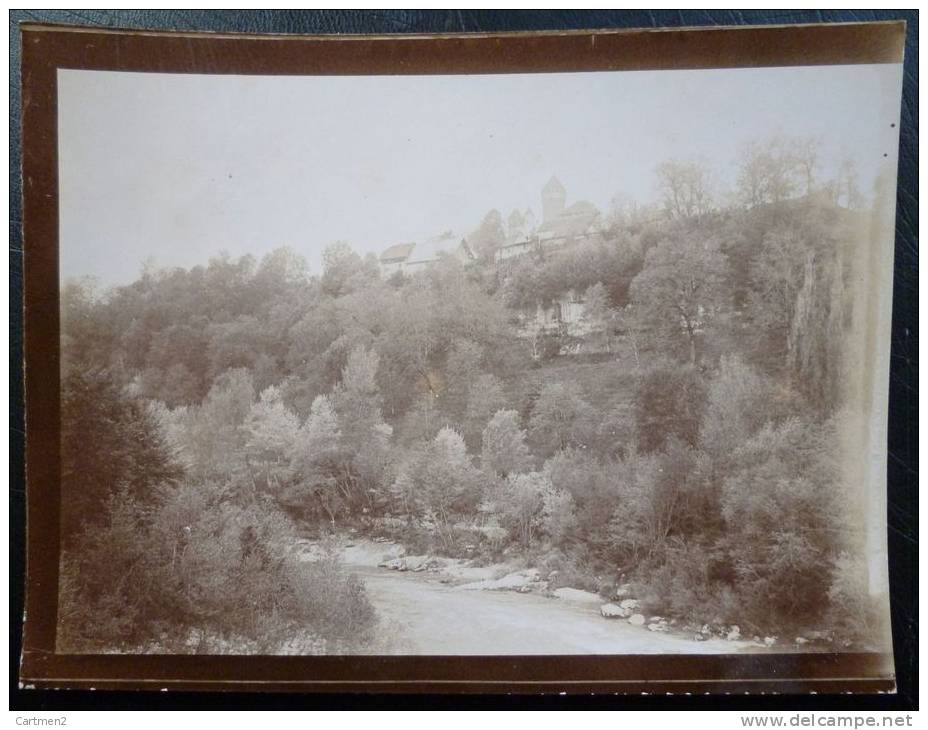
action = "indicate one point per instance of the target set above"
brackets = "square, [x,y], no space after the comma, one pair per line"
[851,612]
[438,484]
[680,583]
[199,561]
[779,508]
[595,487]
[670,401]
[518,501]
[568,568]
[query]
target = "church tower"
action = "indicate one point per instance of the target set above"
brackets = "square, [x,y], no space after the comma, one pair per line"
[553,198]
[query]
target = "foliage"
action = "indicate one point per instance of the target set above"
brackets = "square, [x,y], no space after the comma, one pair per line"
[504,448]
[683,438]
[561,418]
[779,511]
[438,482]
[679,292]
[670,401]
[519,503]
[109,441]
[685,188]
[196,558]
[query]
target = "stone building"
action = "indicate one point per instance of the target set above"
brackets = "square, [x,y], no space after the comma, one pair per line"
[409,258]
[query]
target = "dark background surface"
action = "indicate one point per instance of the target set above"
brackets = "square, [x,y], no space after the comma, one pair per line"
[903,427]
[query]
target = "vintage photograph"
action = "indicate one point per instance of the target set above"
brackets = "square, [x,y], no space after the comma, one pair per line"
[479,364]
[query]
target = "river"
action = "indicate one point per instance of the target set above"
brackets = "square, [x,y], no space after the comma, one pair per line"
[425,616]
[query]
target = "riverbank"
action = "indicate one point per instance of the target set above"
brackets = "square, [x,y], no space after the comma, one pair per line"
[450,606]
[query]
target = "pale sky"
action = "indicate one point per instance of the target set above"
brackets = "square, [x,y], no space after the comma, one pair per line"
[177,168]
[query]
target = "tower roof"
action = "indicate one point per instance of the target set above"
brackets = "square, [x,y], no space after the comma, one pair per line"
[553,186]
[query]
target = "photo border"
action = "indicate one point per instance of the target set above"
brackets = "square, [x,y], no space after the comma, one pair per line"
[47,48]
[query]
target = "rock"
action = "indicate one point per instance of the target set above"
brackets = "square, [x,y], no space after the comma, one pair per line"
[629,603]
[611,610]
[699,637]
[636,620]
[623,591]
[577,596]
[510,582]
[734,634]
[658,626]
[818,636]
[415,563]
[801,640]
[770,640]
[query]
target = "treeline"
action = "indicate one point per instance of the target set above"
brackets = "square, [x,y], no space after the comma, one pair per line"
[696,454]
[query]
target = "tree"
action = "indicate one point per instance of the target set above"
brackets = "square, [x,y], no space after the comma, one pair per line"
[215,442]
[680,289]
[504,449]
[782,519]
[438,482]
[365,436]
[343,270]
[684,188]
[485,398]
[515,225]
[670,400]
[846,186]
[558,514]
[281,272]
[519,501]
[593,484]
[464,367]
[807,154]
[776,277]
[109,442]
[766,172]
[598,313]
[315,459]
[739,401]
[561,417]
[489,236]
[270,434]
[816,350]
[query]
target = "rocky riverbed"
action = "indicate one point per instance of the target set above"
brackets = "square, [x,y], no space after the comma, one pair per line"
[449,606]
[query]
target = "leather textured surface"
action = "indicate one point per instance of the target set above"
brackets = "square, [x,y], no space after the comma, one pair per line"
[903,431]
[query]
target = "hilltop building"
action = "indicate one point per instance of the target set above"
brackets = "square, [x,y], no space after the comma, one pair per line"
[411,257]
[561,224]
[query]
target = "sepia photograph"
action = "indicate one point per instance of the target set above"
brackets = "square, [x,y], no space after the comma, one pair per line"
[553,363]
[450,362]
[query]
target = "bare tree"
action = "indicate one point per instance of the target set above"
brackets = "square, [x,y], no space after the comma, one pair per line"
[685,188]
[807,155]
[766,172]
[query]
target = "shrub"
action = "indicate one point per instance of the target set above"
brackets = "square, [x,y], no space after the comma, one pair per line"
[438,483]
[850,611]
[778,505]
[670,401]
[680,583]
[594,485]
[558,515]
[561,418]
[200,559]
[518,501]
[504,450]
